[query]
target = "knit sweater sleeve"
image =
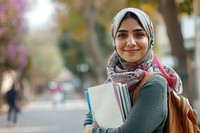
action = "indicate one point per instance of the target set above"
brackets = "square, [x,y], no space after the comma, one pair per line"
[149,113]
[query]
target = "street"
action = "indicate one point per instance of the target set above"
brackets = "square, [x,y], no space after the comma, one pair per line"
[41,117]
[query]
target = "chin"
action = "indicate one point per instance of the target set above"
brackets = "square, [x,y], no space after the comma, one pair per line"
[131,60]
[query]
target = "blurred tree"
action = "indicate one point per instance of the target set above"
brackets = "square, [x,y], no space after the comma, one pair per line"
[75,53]
[102,38]
[176,40]
[185,7]
[46,58]
[12,53]
[72,52]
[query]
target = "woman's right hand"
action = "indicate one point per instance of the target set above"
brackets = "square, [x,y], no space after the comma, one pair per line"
[89,128]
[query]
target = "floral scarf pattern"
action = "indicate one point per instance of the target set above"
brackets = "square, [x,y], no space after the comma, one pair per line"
[119,70]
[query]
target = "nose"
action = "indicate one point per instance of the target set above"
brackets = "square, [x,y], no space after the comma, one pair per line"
[131,41]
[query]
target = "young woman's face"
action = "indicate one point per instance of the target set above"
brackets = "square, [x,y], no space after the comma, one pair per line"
[131,41]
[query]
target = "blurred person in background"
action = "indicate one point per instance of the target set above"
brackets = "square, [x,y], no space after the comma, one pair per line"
[12,98]
[57,95]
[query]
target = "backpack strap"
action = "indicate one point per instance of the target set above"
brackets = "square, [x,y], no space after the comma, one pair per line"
[142,82]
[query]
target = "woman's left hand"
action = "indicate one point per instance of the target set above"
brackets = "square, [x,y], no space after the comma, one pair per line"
[89,128]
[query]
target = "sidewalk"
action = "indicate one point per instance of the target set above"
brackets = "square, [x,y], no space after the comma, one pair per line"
[45,95]
[39,116]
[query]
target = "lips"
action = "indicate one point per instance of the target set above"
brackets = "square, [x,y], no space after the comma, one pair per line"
[131,51]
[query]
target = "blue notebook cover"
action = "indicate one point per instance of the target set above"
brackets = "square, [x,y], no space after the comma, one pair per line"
[88,102]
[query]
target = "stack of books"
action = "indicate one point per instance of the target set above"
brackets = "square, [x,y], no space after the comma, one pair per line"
[109,104]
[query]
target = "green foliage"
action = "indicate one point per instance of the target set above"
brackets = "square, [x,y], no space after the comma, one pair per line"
[133,3]
[72,52]
[102,38]
[76,25]
[185,7]
[75,53]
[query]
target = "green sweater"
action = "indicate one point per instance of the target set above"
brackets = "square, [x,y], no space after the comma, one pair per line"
[149,113]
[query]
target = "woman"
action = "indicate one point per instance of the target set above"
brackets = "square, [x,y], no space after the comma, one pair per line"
[133,37]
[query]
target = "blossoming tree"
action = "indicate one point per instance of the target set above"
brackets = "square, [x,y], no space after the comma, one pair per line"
[12,53]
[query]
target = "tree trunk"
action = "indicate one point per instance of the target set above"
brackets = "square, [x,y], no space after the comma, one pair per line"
[196,6]
[19,81]
[88,12]
[2,69]
[168,11]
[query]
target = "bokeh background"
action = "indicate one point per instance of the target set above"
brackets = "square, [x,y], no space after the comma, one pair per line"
[68,42]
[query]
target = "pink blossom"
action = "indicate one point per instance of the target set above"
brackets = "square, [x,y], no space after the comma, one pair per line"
[11,31]
[18,55]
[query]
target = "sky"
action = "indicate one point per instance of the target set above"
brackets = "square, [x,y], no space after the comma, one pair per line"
[40,14]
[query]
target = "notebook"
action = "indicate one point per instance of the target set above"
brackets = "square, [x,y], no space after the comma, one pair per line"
[109,104]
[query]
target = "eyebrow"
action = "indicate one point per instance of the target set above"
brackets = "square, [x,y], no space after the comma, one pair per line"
[136,30]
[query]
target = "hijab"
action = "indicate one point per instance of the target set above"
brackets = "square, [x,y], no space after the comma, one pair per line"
[129,73]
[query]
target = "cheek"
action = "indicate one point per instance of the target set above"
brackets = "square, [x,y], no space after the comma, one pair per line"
[145,44]
[119,44]
[118,47]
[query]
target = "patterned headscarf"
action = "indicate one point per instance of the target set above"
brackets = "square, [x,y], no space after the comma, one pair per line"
[119,70]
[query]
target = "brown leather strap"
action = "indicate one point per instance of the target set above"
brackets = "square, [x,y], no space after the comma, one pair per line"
[137,89]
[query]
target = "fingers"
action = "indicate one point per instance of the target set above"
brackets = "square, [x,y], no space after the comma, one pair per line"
[88,129]
[95,124]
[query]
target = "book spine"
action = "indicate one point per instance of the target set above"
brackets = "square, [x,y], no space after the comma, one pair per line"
[89,105]
[126,98]
[117,87]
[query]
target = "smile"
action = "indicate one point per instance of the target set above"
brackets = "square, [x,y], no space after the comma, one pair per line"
[132,51]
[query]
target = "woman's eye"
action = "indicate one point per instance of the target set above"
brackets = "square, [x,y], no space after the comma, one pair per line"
[121,35]
[140,34]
